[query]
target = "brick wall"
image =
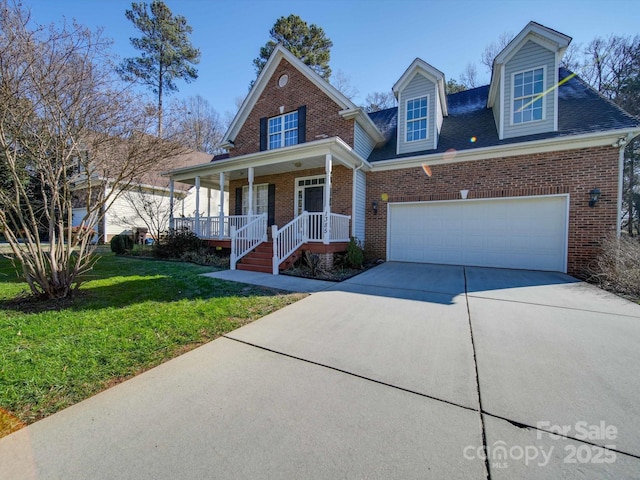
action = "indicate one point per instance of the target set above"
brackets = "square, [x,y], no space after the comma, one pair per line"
[322,112]
[341,191]
[575,172]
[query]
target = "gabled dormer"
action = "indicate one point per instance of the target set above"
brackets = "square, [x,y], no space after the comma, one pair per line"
[523,92]
[422,104]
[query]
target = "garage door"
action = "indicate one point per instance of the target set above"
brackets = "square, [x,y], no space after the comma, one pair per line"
[528,233]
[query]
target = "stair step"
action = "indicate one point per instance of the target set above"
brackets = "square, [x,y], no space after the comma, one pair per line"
[254,268]
[255,261]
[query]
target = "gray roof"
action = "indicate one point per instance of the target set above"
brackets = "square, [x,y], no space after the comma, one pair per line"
[581,110]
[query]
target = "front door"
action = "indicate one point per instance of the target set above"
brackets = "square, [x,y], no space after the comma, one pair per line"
[313,199]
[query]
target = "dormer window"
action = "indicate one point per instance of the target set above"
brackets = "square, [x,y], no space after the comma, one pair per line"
[528,87]
[283,130]
[416,119]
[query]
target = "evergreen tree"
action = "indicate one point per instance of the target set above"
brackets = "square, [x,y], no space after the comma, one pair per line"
[167,53]
[307,42]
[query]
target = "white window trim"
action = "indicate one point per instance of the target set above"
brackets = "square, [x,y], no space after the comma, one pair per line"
[282,130]
[298,188]
[406,122]
[544,94]
[245,197]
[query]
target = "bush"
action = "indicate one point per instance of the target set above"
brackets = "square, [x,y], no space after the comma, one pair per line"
[203,257]
[121,244]
[176,243]
[355,255]
[618,266]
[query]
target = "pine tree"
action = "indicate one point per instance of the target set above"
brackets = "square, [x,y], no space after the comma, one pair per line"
[307,42]
[167,53]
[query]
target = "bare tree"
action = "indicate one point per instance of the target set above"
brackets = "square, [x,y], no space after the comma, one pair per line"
[571,58]
[196,124]
[469,77]
[493,49]
[376,101]
[79,135]
[342,82]
[149,205]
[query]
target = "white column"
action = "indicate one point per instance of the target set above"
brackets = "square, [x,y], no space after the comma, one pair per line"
[250,199]
[197,213]
[326,216]
[209,213]
[171,205]
[221,209]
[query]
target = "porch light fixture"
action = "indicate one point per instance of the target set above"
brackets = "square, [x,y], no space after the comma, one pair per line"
[374,206]
[594,196]
[464,194]
[297,164]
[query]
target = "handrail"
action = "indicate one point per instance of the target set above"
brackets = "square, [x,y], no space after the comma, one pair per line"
[288,239]
[248,237]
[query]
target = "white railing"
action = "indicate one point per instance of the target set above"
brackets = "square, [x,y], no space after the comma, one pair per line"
[339,227]
[210,226]
[289,238]
[338,231]
[247,237]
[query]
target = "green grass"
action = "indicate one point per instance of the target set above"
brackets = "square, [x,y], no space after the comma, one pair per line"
[129,316]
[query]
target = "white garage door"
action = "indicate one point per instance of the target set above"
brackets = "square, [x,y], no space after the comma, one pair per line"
[528,233]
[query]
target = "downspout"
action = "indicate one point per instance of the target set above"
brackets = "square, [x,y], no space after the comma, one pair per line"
[353,202]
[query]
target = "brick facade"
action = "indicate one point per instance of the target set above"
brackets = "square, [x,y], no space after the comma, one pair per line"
[341,191]
[322,112]
[574,172]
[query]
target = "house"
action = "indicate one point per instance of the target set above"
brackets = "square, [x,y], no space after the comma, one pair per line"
[143,208]
[522,173]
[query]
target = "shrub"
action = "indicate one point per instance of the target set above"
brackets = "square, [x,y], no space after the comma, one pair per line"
[618,266]
[176,243]
[203,257]
[121,244]
[355,255]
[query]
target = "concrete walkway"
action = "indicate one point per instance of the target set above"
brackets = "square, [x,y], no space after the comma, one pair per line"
[405,371]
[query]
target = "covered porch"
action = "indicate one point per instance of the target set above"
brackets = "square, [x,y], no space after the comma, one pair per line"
[290,196]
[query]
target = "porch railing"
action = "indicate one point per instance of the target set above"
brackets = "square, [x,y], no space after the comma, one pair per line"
[339,227]
[210,226]
[247,237]
[289,238]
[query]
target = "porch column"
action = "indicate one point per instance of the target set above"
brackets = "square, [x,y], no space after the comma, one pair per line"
[209,213]
[326,215]
[197,213]
[221,209]
[171,221]
[250,199]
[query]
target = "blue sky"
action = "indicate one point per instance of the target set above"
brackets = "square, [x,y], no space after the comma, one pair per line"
[374,40]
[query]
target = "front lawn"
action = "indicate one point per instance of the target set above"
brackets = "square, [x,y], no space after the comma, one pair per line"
[130,316]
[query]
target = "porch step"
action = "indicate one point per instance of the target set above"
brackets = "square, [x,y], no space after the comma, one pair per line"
[260,259]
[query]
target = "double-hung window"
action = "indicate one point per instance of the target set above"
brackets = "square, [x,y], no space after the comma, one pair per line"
[260,199]
[283,130]
[416,119]
[528,87]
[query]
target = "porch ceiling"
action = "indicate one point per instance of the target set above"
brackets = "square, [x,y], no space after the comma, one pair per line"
[295,158]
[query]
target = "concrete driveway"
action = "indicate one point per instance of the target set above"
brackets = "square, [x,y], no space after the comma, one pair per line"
[405,371]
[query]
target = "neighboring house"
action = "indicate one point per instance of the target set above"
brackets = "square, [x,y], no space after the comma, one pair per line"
[496,176]
[146,203]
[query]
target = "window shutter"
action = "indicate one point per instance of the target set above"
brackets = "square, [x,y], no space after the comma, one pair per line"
[239,201]
[302,124]
[264,138]
[271,205]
